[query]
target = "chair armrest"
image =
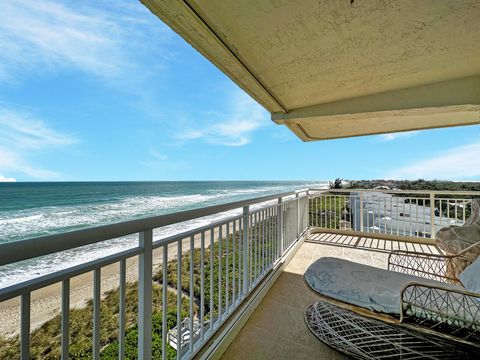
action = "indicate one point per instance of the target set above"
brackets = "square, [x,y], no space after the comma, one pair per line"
[428,266]
[454,312]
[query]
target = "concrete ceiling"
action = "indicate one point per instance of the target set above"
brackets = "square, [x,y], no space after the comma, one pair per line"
[330,69]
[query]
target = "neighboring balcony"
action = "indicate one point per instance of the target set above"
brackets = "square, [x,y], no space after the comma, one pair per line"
[238,282]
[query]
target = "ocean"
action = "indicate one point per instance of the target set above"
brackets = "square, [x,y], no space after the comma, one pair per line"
[30,210]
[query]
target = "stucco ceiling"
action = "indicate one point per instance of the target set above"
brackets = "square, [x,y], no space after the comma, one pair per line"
[308,62]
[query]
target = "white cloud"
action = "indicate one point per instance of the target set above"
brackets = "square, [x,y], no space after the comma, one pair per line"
[45,36]
[458,163]
[160,161]
[20,135]
[6,179]
[231,128]
[398,135]
[21,130]
[158,155]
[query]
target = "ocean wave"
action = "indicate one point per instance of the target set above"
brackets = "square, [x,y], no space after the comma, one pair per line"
[20,219]
[27,223]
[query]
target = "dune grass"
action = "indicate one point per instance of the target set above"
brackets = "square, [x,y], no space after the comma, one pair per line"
[45,340]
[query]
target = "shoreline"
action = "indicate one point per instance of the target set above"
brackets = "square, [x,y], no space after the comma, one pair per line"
[45,303]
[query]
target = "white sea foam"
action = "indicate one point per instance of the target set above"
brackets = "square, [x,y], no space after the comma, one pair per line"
[15,225]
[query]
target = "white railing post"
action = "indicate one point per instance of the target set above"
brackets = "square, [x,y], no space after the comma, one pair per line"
[280,227]
[25,326]
[65,318]
[145,296]
[96,312]
[245,250]
[121,309]
[307,214]
[307,211]
[298,214]
[361,211]
[432,215]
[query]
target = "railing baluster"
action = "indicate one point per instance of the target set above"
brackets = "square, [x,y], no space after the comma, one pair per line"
[121,309]
[298,214]
[227,266]
[250,250]
[321,210]
[253,264]
[220,255]
[410,215]
[212,248]
[245,250]
[240,257]
[192,276]
[441,212]
[96,313]
[385,215]
[367,207]
[164,301]
[417,220]
[179,299]
[391,216]
[145,296]
[361,211]
[234,263]
[280,227]
[25,327]
[432,215]
[263,241]
[272,240]
[202,285]
[448,210]
[65,318]
[456,216]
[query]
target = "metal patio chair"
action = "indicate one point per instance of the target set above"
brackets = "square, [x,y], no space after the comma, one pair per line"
[415,309]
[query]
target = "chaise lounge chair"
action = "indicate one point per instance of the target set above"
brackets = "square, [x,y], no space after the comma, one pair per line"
[415,309]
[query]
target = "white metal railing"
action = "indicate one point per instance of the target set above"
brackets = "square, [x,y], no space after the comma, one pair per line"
[406,213]
[213,268]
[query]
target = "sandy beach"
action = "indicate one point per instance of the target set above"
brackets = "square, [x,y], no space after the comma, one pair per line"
[46,302]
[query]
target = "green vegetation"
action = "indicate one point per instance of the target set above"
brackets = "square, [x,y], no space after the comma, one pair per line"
[329,211]
[336,184]
[419,184]
[259,246]
[45,341]
[433,185]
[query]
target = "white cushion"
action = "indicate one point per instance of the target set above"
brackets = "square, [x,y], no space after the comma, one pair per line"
[470,277]
[362,285]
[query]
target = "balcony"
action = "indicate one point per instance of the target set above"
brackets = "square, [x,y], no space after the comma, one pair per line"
[237,282]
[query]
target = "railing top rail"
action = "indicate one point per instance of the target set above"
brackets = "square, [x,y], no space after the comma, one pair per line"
[435,192]
[30,248]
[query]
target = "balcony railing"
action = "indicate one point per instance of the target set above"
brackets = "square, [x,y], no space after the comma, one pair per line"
[204,275]
[389,213]
[210,271]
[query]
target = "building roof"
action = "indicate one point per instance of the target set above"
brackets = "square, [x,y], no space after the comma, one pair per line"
[329,69]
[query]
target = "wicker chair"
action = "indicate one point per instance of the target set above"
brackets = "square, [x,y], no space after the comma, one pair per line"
[437,318]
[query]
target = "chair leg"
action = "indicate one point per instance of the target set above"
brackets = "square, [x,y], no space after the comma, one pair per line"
[365,338]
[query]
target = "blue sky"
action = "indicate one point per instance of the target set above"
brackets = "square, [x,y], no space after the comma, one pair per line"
[105,91]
